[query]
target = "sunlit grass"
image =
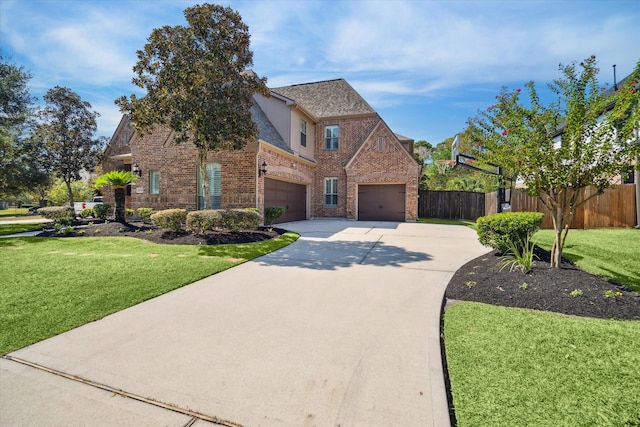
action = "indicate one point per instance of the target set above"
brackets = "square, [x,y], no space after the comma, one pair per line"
[513,367]
[51,285]
[608,252]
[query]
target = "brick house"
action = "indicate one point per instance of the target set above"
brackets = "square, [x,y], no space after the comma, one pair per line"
[327,153]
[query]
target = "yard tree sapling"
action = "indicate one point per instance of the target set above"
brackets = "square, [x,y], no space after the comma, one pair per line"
[598,142]
[198,83]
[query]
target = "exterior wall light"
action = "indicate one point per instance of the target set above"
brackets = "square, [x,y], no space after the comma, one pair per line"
[136,170]
[262,170]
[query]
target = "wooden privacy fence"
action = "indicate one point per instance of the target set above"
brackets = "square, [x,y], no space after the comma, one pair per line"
[451,204]
[615,208]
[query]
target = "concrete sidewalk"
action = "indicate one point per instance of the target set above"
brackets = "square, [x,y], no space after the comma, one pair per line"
[340,328]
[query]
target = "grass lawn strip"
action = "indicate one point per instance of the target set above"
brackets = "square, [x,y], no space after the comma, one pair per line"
[515,367]
[18,228]
[46,292]
[610,252]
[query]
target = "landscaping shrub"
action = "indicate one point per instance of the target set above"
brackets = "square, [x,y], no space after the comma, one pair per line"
[145,214]
[101,211]
[56,213]
[86,213]
[271,213]
[201,221]
[502,230]
[240,219]
[128,212]
[170,219]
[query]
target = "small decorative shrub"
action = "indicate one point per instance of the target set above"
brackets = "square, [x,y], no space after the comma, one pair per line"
[86,213]
[519,255]
[201,221]
[272,213]
[128,212]
[240,219]
[145,214]
[170,219]
[500,230]
[101,211]
[57,212]
[576,293]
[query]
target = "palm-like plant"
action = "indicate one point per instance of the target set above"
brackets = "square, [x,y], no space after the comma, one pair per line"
[119,181]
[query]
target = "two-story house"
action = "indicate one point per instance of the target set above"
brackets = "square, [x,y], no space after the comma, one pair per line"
[322,152]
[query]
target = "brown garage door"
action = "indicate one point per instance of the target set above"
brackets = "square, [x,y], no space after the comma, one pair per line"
[381,202]
[291,196]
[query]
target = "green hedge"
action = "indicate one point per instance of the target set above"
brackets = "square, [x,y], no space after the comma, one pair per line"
[145,213]
[271,213]
[101,211]
[171,219]
[57,212]
[498,230]
[201,221]
[228,219]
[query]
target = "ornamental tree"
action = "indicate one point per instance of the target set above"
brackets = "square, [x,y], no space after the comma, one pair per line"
[118,180]
[586,137]
[198,83]
[67,130]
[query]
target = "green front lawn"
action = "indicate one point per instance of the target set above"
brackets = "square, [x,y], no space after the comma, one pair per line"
[608,252]
[18,228]
[513,367]
[52,285]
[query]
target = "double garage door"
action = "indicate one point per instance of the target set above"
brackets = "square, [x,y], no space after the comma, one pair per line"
[291,196]
[381,202]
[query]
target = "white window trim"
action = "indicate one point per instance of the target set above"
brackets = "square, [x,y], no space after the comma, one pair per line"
[154,189]
[334,137]
[330,181]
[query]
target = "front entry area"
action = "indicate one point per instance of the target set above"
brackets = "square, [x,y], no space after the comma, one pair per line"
[293,197]
[381,202]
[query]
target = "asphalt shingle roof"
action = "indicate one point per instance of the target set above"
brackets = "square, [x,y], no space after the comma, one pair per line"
[329,98]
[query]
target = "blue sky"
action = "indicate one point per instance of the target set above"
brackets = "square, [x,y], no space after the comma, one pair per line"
[425,66]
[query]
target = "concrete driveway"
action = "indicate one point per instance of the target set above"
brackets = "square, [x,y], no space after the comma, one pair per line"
[340,328]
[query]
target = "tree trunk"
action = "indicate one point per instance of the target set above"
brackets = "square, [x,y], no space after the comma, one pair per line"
[69,192]
[120,194]
[202,154]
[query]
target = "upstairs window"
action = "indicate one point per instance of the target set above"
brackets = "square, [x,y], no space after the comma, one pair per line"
[331,137]
[303,133]
[380,144]
[331,191]
[154,182]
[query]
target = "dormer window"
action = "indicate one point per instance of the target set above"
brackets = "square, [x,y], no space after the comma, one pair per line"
[303,133]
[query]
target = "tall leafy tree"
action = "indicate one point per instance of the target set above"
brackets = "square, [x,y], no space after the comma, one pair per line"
[19,166]
[586,137]
[198,83]
[67,131]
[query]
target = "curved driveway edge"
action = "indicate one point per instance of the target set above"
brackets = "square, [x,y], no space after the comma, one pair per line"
[341,328]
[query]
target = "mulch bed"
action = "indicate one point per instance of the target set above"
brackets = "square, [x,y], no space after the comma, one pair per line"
[154,234]
[544,288]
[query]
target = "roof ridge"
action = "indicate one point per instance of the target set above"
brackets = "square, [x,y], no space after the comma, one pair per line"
[311,83]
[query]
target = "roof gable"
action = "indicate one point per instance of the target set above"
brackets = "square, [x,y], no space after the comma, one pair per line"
[330,98]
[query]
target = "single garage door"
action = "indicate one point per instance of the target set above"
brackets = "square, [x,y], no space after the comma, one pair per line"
[291,196]
[381,202]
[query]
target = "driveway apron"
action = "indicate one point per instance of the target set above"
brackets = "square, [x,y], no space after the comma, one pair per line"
[340,328]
